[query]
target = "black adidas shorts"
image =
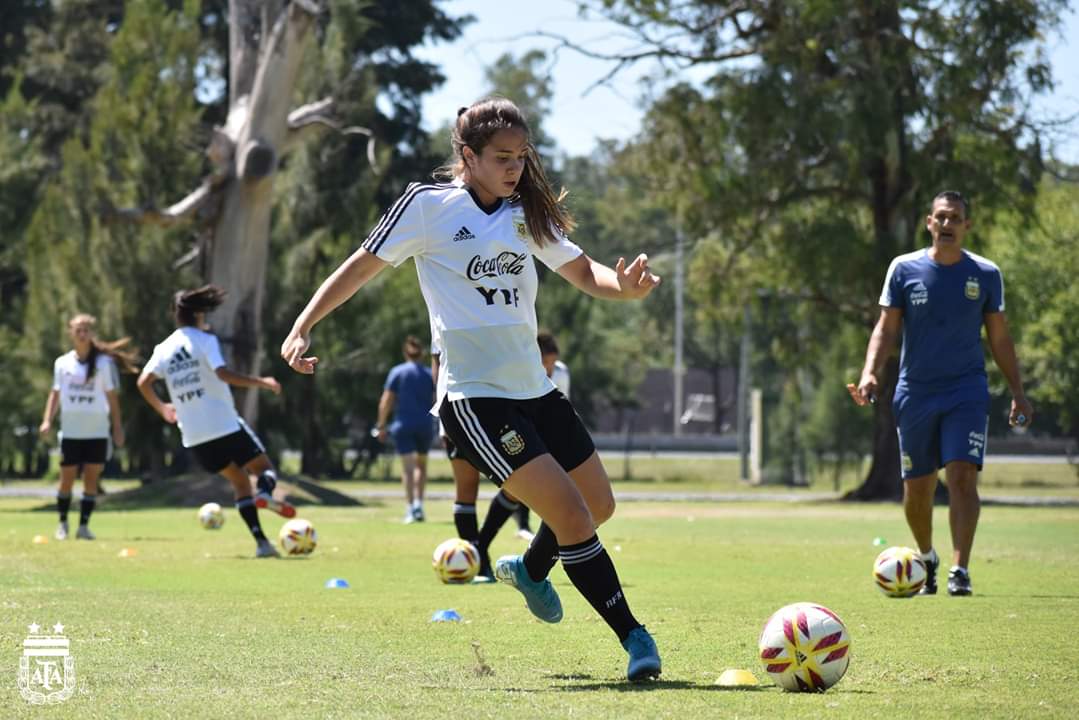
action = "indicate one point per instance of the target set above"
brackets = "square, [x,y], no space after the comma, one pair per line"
[498,435]
[92,451]
[240,447]
[451,449]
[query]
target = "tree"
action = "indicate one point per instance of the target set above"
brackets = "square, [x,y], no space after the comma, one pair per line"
[1043,299]
[826,128]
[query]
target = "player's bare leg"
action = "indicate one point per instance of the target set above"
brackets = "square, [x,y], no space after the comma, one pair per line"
[918,507]
[964,508]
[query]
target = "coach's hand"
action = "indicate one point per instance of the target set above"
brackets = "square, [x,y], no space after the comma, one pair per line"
[865,391]
[1022,412]
[292,351]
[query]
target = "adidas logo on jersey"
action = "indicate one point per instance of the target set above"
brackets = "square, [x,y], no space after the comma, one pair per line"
[463,234]
[181,360]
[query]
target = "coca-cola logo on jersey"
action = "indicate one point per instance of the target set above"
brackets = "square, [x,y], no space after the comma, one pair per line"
[507,263]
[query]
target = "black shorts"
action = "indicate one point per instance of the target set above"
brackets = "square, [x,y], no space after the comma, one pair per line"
[498,435]
[451,449]
[93,451]
[240,447]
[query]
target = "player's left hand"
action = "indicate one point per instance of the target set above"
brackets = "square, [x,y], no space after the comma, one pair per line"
[635,281]
[1022,412]
[292,351]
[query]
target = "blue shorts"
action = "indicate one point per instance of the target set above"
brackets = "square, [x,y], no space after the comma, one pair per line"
[940,428]
[409,439]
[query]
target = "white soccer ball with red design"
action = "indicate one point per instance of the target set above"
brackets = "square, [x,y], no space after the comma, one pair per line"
[805,647]
[298,537]
[456,561]
[210,516]
[899,572]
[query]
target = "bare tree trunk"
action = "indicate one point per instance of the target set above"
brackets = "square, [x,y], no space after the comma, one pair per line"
[266,46]
[884,481]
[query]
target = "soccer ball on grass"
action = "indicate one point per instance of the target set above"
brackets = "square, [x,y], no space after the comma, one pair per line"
[298,537]
[210,516]
[899,572]
[456,561]
[805,647]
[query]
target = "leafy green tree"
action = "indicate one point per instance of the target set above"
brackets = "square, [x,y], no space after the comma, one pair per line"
[1040,261]
[814,148]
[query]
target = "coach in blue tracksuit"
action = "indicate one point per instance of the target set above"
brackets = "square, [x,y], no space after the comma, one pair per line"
[409,393]
[939,298]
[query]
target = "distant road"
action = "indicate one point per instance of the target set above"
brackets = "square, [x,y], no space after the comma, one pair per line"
[726,455]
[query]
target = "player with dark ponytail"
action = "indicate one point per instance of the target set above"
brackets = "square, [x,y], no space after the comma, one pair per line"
[193,368]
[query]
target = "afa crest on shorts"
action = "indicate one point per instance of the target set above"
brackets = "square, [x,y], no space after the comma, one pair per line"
[46,668]
[972,289]
[512,442]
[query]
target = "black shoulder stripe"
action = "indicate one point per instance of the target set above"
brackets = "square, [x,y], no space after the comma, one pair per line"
[385,226]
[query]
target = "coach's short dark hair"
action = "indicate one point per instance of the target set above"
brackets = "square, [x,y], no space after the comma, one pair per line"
[954,196]
[547,344]
[412,348]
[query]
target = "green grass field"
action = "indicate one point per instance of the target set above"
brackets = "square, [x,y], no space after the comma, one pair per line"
[192,626]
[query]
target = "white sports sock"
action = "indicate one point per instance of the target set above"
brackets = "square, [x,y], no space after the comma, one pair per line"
[930,556]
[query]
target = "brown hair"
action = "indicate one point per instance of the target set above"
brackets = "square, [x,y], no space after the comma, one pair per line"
[187,303]
[475,127]
[412,348]
[127,359]
[955,197]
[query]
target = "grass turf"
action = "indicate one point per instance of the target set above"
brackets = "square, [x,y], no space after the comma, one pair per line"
[192,626]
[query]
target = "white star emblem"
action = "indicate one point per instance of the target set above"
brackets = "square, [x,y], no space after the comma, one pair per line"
[34,628]
[58,629]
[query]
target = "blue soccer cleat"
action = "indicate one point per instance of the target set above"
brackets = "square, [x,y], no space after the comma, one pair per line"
[540,596]
[644,663]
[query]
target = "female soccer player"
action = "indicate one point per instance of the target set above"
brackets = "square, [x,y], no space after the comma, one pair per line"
[190,362]
[84,390]
[473,239]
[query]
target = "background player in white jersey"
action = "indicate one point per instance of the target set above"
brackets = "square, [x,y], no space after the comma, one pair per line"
[473,240]
[190,362]
[938,299]
[84,388]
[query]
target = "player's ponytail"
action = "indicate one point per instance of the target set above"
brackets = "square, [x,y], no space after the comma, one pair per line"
[476,125]
[187,304]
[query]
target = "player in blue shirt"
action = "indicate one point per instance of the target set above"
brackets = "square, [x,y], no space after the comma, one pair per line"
[409,392]
[939,298]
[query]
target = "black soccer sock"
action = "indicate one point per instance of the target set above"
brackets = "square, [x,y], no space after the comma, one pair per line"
[246,507]
[497,514]
[464,518]
[86,507]
[267,481]
[522,517]
[542,553]
[63,505]
[590,569]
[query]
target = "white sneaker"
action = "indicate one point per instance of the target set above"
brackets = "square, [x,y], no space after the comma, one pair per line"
[61,531]
[409,517]
[84,533]
[266,550]
[526,534]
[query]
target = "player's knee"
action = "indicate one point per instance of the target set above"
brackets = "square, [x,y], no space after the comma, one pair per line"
[603,510]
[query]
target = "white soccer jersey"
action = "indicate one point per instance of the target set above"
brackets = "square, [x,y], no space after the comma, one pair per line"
[479,281]
[560,377]
[204,406]
[84,409]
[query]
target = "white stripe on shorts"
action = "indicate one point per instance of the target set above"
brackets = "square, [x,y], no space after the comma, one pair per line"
[471,425]
[251,433]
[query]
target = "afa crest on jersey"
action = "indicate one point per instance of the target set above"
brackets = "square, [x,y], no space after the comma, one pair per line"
[973,290]
[512,442]
[521,228]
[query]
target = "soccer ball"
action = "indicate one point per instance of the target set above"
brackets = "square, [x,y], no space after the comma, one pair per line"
[805,647]
[298,537]
[211,517]
[456,561]
[899,572]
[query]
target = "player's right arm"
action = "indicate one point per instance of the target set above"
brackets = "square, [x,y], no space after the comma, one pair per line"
[145,385]
[881,344]
[51,404]
[345,281]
